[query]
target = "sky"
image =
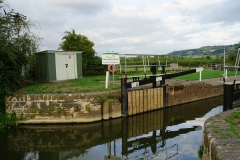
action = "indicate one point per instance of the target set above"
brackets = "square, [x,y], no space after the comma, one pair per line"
[135,26]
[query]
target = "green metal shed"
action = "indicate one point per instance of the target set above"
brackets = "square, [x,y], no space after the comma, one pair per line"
[58,65]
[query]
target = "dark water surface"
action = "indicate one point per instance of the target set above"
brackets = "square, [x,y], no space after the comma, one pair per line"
[174,133]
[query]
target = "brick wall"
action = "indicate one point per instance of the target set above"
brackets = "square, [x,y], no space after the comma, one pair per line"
[183,93]
[61,108]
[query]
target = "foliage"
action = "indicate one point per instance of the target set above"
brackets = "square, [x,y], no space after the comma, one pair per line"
[89,109]
[8,120]
[231,58]
[18,46]
[103,98]
[200,151]
[204,51]
[96,67]
[208,57]
[77,42]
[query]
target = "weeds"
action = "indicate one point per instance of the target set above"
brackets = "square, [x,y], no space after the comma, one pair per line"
[32,116]
[216,130]
[233,120]
[34,111]
[201,151]
[50,111]
[89,109]
[59,109]
[232,132]
[225,143]
[103,98]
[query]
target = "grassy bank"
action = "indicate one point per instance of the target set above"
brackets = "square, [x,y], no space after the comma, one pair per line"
[206,74]
[97,83]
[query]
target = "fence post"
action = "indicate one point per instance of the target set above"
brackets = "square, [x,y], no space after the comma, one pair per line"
[228,96]
[154,83]
[163,69]
[124,97]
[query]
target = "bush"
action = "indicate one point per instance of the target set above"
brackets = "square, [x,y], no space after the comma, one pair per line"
[8,120]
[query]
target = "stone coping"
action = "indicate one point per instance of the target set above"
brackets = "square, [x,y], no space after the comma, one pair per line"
[217,142]
[60,121]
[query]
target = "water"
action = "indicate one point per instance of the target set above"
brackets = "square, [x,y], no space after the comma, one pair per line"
[174,133]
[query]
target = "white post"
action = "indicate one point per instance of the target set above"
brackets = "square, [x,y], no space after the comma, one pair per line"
[107,79]
[200,76]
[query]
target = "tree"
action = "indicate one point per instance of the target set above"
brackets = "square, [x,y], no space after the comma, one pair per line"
[18,47]
[77,42]
[208,57]
[231,58]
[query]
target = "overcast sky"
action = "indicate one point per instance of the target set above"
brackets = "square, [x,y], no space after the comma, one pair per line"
[135,26]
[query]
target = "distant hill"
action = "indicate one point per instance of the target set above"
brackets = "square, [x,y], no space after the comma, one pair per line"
[204,51]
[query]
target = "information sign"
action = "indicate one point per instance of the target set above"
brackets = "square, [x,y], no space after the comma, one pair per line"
[110,58]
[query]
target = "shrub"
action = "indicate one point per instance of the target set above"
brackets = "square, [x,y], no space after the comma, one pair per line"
[8,120]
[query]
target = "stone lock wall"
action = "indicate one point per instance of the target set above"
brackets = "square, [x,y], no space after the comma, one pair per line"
[77,108]
[219,141]
[63,108]
[188,92]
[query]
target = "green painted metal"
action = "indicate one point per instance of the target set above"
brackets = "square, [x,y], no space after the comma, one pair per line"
[41,67]
[45,69]
[51,67]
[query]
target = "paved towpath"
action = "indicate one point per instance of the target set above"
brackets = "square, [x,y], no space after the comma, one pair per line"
[172,82]
[212,81]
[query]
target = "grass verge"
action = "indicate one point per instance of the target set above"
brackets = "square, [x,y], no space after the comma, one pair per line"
[97,83]
[234,121]
[206,74]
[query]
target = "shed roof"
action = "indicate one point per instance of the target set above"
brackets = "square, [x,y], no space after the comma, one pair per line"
[47,51]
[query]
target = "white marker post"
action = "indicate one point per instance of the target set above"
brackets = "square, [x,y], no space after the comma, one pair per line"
[107,79]
[200,76]
[200,69]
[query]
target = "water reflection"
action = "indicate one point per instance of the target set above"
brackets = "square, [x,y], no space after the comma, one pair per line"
[173,133]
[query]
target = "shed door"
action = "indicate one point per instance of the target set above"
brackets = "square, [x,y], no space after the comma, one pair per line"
[65,66]
[71,66]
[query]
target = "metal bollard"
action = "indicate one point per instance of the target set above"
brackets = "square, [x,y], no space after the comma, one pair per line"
[228,96]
